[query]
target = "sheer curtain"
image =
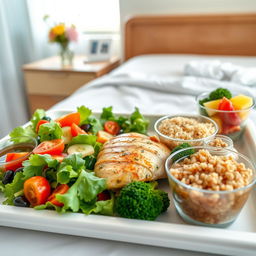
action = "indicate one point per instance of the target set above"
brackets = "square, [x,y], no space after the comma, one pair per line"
[15,50]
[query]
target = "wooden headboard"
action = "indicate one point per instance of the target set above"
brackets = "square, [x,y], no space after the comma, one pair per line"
[222,34]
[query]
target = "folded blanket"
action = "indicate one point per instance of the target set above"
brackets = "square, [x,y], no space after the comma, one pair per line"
[224,71]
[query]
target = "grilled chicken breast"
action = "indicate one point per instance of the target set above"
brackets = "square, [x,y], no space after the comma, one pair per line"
[131,157]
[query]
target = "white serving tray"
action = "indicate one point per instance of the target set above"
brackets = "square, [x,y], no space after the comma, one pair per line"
[167,231]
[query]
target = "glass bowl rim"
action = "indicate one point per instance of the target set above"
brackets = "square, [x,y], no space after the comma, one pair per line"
[188,116]
[224,111]
[23,157]
[167,168]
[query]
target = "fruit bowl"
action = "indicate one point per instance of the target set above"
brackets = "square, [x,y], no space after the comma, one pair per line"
[230,122]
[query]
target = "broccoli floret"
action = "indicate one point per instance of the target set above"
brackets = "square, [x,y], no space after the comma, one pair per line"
[220,93]
[217,94]
[201,102]
[184,153]
[165,200]
[140,200]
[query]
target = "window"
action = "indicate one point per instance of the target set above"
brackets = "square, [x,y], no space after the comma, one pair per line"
[87,15]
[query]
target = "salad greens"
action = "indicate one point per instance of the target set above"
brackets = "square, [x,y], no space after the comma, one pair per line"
[87,118]
[85,191]
[49,131]
[20,131]
[136,123]
[37,116]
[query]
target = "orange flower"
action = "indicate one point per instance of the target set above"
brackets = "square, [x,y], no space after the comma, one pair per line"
[59,29]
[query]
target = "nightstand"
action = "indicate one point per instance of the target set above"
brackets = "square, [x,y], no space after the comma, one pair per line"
[48,83]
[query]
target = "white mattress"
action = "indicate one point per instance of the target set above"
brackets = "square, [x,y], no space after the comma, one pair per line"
[149,89]
[154,83]
[172,64]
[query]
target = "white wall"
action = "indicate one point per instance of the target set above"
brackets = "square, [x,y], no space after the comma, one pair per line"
[133,7]
[130,8]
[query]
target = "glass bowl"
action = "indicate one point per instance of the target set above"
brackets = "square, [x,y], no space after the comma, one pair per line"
[174,142]
[228,141]
[230,123]
[217,208]
[15,145]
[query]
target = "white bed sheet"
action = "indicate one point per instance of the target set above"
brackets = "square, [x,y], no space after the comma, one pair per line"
[97,95]
[153,79]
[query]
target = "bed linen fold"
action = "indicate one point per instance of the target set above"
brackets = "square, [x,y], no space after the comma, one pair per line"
[215,69]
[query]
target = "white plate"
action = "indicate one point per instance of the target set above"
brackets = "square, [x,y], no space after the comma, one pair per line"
[167,231]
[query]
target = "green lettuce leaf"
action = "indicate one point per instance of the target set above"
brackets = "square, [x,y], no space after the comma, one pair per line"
[85,189]
[84,139]
[96,124]
[35,164]
[37,116]
[22,131]
[107,114]
[48,205]
[84,114]
[49,131]
[70,168]
[86,117]
[90,186]
[30,171]
[12,188]
[138,122]
[42,160]
[100,207]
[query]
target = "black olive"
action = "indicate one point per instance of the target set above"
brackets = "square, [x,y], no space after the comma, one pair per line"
[86,127]
[20,201]
[38,139]
[8,177]
[47,118]
[18,170]
[121,131]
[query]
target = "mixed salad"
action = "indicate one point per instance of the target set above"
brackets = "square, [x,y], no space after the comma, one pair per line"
[228,111]
[58,174]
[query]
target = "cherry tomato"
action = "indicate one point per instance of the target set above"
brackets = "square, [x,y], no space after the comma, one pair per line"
[103,196]
[103,136]
[230,118]
[76,130]
[17,159]
[112,127]
[37,190]
[69,119]
[40,123]
[61,189]
[51,147]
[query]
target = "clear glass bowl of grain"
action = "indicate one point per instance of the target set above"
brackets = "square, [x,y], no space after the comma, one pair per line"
[174,130]
[209,189]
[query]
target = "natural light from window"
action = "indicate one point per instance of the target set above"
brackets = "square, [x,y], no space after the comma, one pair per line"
[87,15]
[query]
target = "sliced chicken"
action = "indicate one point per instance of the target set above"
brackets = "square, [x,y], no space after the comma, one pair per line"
[131,157]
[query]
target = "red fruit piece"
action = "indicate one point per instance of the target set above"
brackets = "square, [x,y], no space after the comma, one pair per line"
[230,118]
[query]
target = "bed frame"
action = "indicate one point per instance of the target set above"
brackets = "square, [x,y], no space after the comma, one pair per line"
[222,34]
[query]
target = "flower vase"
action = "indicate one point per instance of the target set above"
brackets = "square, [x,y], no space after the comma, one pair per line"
[66,55]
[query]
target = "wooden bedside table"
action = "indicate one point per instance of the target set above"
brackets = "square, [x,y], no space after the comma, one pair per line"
[48,83]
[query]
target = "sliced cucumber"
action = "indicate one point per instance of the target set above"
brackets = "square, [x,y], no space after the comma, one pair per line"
[66,134]
[84,149]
